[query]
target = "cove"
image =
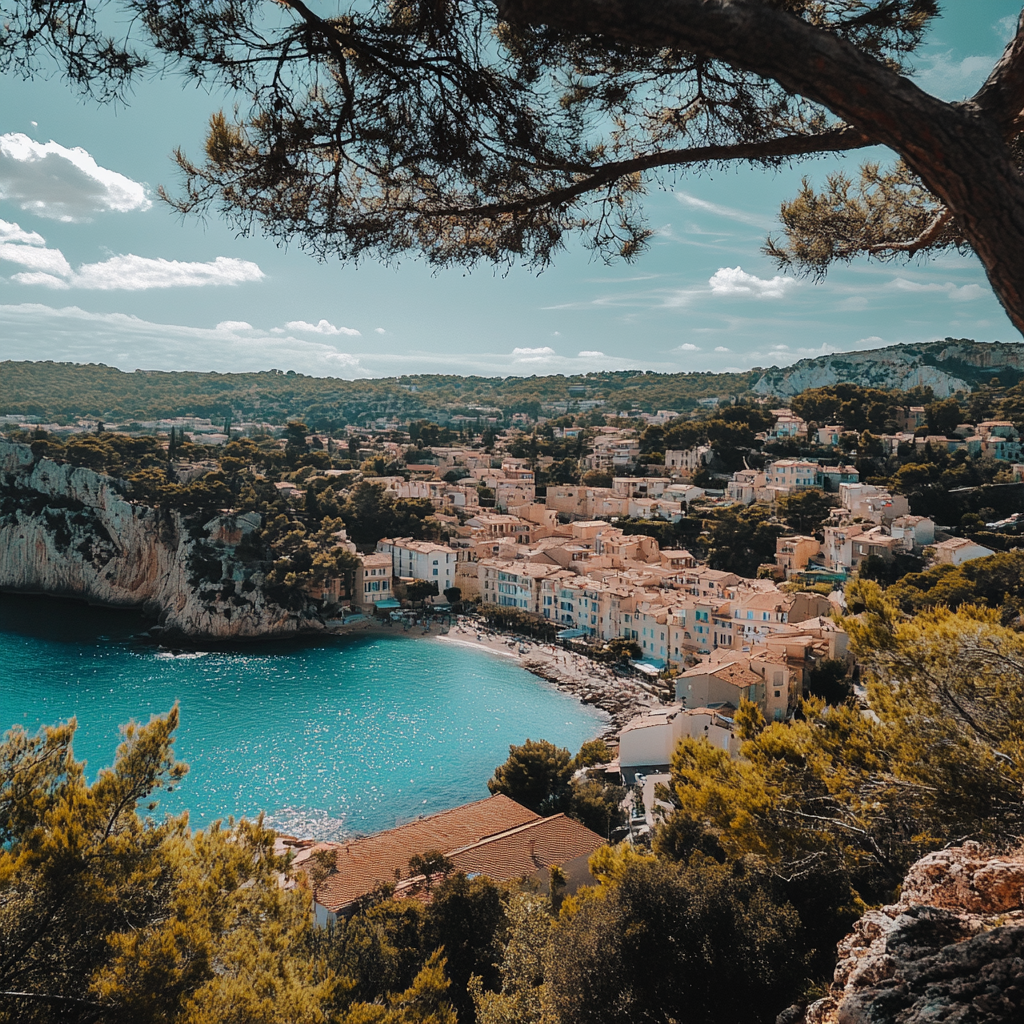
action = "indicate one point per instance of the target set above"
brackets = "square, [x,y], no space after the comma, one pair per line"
[332,737]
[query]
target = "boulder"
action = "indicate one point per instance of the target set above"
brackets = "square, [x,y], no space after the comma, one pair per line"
[951,950]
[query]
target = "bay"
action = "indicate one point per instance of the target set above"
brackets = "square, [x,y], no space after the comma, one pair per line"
[330,737]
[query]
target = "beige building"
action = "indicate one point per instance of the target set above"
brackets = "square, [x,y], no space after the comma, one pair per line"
[794,554]
[726,683]
[373,580]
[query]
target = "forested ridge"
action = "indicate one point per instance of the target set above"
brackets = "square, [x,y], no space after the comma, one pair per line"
[49,390]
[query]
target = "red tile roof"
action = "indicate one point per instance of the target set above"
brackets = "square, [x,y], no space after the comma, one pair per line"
[363,863]
[521,851]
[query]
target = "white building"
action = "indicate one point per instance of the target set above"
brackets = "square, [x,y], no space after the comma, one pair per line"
[960,550]
[649,741]
[421,560]
[915,531]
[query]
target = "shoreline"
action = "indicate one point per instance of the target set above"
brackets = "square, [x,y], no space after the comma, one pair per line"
[620,698]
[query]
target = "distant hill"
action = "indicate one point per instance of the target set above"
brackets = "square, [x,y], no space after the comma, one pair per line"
[49,391]
[945,366]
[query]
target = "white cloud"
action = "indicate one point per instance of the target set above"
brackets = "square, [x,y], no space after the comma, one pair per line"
[754,219]
[733,281]
[533,355]
[379,330]
[323,327]
[853,303]
[1006,28]
[590,354]
[962,293]
[47,262]
[722,348]
[49,268]
[64,184]
[687,347]
[127,273]
[15,233]
[37,331]
[940,73]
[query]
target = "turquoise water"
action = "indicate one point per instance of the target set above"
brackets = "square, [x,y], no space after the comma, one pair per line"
[339,736]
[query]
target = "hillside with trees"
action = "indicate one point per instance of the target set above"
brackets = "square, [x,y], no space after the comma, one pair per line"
[48,392]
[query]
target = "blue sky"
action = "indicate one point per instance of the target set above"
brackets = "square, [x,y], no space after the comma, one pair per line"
[94,268]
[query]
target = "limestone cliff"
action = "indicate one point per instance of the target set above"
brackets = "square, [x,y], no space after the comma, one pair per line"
[946,367]
[72,532]
[951,950]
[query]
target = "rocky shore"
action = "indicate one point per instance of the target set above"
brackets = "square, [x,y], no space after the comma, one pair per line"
[620,697]
[68,531]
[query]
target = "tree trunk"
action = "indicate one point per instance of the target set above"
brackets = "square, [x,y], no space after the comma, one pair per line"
[958,150]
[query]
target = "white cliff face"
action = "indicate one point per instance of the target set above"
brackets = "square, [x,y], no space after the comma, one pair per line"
[879,369]
[72,532]
[942,366]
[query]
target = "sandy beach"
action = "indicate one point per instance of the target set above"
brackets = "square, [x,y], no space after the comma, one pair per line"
[621,698]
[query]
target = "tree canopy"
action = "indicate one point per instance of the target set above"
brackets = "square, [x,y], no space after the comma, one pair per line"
[864,796]
[108,914]
[491,129]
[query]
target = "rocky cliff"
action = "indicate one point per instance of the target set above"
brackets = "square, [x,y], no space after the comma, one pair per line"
[944,366]
[72,532]
[951,950]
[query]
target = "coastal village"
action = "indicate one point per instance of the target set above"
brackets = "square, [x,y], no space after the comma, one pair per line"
[473,548]
[571,579]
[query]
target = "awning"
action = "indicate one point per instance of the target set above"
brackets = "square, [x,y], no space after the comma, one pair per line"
[647,669]
[389,603]
[570,634]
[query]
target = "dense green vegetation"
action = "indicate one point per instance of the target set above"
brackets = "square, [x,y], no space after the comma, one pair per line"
[51,391]
[996,582]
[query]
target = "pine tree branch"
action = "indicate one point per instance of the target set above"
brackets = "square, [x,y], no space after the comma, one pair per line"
[835,141]
[923,240]
[958,150]
[1002,95]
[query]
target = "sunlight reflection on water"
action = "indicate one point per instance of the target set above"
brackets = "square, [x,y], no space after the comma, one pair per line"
[329,738]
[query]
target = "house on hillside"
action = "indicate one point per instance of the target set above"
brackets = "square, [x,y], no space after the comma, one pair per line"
[496,837]
[725,683]
[959,550]
[794,554]
[647,743]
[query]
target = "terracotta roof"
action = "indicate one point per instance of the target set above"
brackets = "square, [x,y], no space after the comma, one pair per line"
[363,863]
[522,850]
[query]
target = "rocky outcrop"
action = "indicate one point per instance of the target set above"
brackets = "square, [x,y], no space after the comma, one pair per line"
[72,532]
[945,367]
[951,950]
